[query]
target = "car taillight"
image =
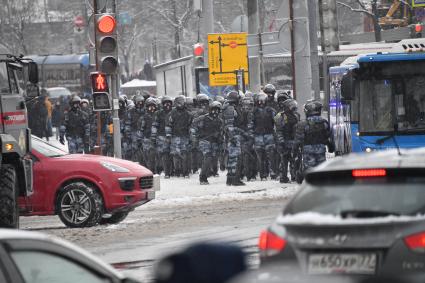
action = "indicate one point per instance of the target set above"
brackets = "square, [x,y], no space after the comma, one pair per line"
[416,242]
[269,243]
[359,173]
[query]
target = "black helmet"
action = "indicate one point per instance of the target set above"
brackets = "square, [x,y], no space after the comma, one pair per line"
[75,101]
[282,96]
[269,89]
[202,100]
[180,102]
[151,101]
[138,99]
[215,109]
[261,99]
[122,101]
[290,105]
[165,99]
[233,97]
[313,108]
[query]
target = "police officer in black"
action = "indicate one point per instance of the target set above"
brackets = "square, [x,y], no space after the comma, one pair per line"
[177,130]
[207,136]
[285,123]
[158,136]
[149,152]
[270,91]
[312,136]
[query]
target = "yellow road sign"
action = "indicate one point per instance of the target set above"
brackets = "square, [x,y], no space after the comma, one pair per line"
[227,52]
[418,3]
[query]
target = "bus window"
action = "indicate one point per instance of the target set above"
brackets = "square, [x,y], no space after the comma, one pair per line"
[410,104]
[4,82]
[376,107]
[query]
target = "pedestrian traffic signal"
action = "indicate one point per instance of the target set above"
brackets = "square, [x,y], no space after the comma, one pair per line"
[106,43]
[198,53]
[99,82]
[100,88]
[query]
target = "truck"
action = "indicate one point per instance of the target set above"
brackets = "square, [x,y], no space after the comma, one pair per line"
[377,100]
[18,85]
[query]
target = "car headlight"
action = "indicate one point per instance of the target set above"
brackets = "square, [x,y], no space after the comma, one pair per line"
[114,168]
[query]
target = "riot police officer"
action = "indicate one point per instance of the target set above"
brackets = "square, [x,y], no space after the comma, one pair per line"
[76,128]
[249,158]
[207,135]
[136,114]
[158,136]
[125,125]
[312,136]
[282,96]
[177,129]
[285,123]
[234,135]
[201,103]
[270,91]
[261,126]
[149,152]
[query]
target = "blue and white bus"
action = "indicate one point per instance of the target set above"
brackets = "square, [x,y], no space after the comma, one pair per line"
[377,101]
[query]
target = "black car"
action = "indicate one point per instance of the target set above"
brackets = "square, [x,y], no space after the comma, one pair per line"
[359,216]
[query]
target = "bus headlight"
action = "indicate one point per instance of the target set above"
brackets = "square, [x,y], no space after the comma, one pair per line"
[368,149]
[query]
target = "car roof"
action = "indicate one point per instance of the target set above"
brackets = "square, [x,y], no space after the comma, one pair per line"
[10,234]
[389,159]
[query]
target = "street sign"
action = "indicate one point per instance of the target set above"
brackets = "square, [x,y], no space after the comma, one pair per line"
[418,3]
[227,53]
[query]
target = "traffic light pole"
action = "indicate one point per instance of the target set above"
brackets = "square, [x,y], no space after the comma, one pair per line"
[115,104]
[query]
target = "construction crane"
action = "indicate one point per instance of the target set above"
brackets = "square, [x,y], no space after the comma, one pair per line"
[390,20]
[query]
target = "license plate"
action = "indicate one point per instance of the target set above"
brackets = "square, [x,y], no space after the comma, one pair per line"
[364,263]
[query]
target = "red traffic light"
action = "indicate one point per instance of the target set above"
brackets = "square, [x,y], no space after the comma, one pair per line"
[106,24]
[418,28]
[99,82]
[198,49]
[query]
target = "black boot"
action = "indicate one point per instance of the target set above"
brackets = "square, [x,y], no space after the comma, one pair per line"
[229,180]
[237,182]
[203,180]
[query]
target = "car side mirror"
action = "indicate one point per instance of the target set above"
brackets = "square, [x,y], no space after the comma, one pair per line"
[33,72]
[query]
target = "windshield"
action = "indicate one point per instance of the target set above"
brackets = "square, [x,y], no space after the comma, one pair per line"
[46,149]
[4,80]
[402,197]
[393,100]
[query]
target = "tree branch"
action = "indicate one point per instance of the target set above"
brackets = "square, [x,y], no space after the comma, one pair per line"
[362,10]
[163,15]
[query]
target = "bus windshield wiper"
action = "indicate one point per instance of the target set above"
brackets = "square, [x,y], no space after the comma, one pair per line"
[364,213]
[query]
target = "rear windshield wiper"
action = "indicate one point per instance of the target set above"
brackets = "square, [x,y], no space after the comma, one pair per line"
[366,213]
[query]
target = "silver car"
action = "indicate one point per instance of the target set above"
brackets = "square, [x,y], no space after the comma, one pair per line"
[361,216]
[28,257]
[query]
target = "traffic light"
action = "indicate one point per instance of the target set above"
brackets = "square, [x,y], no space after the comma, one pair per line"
[330,25]
[198,54]
[106,43]
[416,31]
[100,90]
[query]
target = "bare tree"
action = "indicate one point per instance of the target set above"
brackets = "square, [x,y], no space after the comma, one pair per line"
[368,8]
[15,16]
[169,11]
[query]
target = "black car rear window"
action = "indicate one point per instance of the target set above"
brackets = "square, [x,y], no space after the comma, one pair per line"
[401,196]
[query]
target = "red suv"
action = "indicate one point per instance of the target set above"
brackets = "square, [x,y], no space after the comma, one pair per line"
[83,189]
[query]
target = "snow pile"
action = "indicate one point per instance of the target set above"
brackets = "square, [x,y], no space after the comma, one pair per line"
[189,199]
[314,218]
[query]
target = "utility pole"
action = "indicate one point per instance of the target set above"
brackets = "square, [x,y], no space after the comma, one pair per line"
[314,54]
[207,16]
[254,63]
[115,104]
